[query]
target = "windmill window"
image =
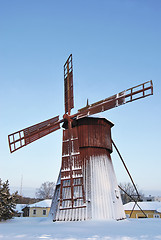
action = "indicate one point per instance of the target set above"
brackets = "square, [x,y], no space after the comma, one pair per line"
[44,212]
[34,212]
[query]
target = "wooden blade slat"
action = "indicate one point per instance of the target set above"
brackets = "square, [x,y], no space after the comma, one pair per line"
[28,135]
[129,95]
[68,85]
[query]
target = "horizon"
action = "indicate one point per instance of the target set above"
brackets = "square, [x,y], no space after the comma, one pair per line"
[30,192]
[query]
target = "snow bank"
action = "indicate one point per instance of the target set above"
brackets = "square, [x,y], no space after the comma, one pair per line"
[40,228]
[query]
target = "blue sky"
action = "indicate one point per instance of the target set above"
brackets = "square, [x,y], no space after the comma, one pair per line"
[115,46]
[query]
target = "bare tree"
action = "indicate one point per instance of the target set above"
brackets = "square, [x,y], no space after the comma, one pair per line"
[46,190]
[130,190]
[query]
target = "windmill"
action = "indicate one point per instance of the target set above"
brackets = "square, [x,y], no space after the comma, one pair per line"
[86,187]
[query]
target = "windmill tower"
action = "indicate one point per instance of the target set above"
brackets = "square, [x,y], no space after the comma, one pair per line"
[87,186]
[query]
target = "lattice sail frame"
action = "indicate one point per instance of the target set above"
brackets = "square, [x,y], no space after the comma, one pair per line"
[68,85]
[72,193]
[28,135]
[126,96]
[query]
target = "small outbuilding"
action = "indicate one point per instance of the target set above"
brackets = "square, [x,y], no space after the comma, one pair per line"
[151,209]
[19,210]
[40,209]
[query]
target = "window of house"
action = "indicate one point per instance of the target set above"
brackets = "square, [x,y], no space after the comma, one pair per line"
[141,216]
[44,212]
[34,212]
[156,216]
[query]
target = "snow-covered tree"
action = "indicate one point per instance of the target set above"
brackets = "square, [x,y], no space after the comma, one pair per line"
[7,201]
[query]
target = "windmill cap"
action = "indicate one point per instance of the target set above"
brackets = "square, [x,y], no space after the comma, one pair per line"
[98,117]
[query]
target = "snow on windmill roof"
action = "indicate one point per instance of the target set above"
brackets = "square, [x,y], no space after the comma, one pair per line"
[156,206]
[42,204]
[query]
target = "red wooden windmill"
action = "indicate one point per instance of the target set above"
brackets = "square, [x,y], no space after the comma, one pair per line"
[87,186]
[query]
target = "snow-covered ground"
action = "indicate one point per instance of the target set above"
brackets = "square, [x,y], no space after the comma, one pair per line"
[40,228]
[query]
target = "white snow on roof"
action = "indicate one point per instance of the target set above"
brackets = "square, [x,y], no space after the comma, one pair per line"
[19,207]
[159,210]
[42,204]
[144,206]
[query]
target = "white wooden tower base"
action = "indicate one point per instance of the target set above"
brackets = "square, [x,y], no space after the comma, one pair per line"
[103,196]
[103,199]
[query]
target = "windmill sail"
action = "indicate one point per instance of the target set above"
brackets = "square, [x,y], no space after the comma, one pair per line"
[68,85]
[129,95]
[71,172]
[28,135]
